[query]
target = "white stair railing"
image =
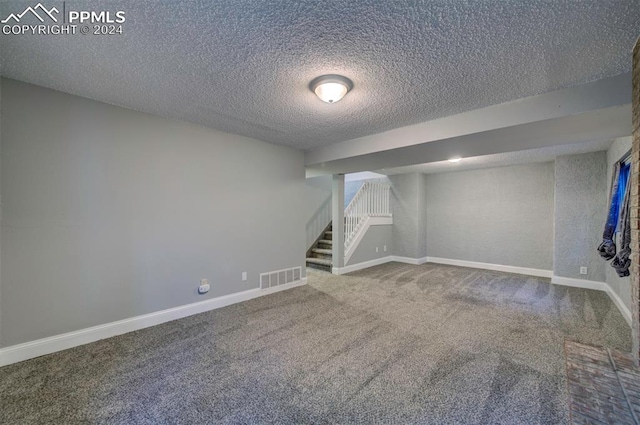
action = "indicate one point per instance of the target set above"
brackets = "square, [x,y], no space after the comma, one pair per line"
[372,200]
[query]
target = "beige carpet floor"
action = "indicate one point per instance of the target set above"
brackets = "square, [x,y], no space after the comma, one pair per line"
[393,344]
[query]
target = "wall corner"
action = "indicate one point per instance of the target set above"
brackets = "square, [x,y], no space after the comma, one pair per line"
[635,210]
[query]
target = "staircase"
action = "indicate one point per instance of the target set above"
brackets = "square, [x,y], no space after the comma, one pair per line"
[319,256]
[370,202]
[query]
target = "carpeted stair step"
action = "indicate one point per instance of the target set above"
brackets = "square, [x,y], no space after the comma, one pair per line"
[322,253]
[325,244]
[319,263]
[319,256]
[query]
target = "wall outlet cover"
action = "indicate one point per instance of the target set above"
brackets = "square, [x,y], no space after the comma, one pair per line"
[244,276]
[583,270]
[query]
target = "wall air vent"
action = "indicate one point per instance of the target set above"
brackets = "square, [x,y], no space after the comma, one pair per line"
[280,277]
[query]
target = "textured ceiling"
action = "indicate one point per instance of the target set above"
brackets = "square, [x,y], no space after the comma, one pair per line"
[502,159]
[244,66]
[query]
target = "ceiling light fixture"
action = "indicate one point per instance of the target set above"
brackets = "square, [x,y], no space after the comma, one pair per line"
[331,88]
[456,159]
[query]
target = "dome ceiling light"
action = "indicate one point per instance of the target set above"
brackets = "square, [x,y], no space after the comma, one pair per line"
[331,88]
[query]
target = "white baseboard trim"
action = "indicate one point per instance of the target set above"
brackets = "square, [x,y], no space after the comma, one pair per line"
[579,283]
[462,263]
[598,286]
[409,260]
[496,267]
[40,347]
[624,310]
[360,266]
[376,262]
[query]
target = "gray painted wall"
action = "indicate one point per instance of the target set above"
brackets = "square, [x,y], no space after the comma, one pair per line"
[0,209]
[337,220]
[620,285]
[499,215]
[376,237]
[423,212]
[408,198]
[318,207]
[109,213]
[580,212]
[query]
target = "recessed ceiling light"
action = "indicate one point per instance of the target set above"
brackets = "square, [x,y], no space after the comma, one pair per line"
[456,159]
[331,88]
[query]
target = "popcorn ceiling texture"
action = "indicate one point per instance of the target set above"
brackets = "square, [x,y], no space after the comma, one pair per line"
[244,67]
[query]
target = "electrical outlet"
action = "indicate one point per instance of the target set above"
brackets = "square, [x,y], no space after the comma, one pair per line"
[204,286]
[377,249]
[385,248]
[244,276]
[583,270]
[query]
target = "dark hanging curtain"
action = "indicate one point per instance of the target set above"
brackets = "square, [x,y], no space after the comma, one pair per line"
[607,248]
[618,220]
[621,262]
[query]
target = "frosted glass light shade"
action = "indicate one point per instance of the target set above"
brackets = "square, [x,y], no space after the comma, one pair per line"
[331,88]
[331,92]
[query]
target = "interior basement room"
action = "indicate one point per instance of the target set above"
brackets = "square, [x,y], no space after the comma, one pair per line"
[320,212]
